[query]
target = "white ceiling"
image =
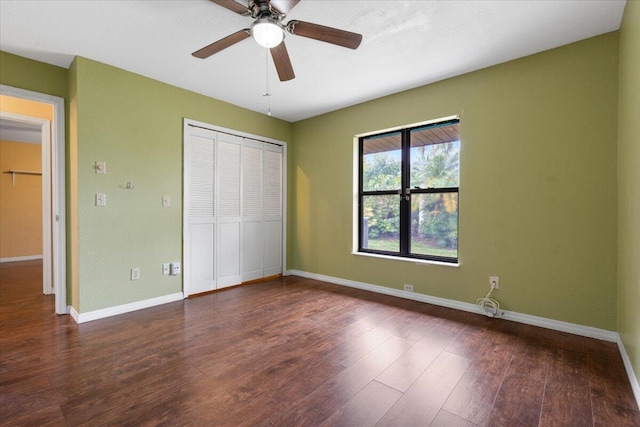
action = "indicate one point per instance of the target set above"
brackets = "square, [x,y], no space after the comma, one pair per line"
[18,131]
[405,44]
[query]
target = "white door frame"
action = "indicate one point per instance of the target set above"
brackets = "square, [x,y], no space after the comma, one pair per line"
[55,157]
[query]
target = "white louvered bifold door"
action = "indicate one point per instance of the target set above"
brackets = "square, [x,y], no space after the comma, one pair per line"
[233,210]
[229,160]
[272,173]
[200,224]
[252,212]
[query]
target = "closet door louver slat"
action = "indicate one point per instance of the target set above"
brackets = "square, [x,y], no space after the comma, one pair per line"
[201,177]
[251,181]
[229,179]
[273,183]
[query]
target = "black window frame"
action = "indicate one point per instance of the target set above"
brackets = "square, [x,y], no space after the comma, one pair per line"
[404,196]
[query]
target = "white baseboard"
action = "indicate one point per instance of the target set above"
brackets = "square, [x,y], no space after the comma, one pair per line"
[20,258]
[74,314]
[633,379]
[125,308]
[557,325]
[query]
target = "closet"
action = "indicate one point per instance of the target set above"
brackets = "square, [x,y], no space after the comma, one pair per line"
[233,208]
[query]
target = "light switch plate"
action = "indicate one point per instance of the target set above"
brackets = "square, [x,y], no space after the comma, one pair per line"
[101,199]
[101,168]
[166,201]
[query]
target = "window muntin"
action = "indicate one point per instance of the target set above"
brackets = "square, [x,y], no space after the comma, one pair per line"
[408,193]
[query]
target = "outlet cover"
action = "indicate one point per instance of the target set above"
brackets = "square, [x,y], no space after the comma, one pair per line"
[135,273]
[175,268]
[408,287]
[496,280]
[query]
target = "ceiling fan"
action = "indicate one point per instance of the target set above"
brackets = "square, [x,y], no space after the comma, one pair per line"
[269,31]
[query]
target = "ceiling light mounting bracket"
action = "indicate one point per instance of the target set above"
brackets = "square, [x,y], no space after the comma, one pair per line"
[260,8]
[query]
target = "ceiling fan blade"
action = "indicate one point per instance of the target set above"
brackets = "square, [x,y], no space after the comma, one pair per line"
[233,6]
[325,34]
[284,6]
[224,43]
[283,63]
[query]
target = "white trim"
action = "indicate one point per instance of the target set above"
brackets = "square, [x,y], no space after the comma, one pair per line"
[47,209]
[20,258]
[415,261]
[74,314]
[285,192]
[633,379]
[216,128]
[557,325]
[124,308]
[58,195]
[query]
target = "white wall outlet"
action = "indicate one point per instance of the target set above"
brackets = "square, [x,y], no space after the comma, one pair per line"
[165,269]
[101,168]
[166,201]
[175,268]
[135,273]
[101,199]
[408,287]
[494,282]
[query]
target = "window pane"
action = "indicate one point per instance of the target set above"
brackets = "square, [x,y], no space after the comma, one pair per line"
[435,153]
[434,224]
[381,160]
[381,223]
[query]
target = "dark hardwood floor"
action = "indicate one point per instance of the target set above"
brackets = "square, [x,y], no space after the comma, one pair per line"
[296,352]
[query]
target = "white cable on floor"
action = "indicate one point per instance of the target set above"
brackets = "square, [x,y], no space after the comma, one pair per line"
[489,306]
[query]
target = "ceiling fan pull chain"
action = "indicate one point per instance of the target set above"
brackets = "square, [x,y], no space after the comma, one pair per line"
[268,94]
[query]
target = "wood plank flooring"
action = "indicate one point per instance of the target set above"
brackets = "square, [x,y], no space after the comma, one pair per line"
[296,352]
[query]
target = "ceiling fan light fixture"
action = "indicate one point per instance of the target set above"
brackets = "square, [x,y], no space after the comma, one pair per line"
[267,32]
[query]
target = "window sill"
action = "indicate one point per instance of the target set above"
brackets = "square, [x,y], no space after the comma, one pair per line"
[411,260]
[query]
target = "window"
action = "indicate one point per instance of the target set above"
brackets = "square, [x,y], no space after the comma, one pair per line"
[408,192]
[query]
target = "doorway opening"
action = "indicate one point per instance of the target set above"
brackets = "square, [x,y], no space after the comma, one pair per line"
[32,126]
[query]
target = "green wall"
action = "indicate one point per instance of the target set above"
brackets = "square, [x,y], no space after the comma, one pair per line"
[135,124]
[538,201]
[629,184]
[31,75]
